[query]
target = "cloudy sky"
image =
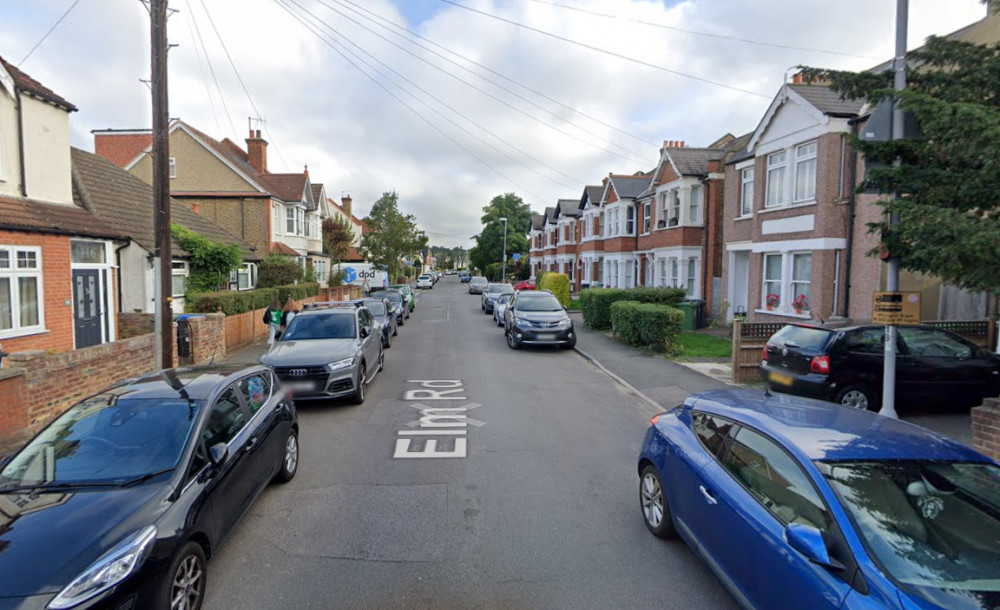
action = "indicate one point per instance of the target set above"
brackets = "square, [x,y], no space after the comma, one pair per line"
[451,102]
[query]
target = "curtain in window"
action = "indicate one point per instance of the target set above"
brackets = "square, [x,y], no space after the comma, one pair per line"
[27,288]
[772,279]
[802,279]
[6,305]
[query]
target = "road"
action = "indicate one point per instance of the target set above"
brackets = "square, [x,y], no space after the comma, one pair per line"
[542,512]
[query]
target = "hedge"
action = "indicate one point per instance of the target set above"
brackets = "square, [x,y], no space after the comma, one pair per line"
[646,324]
[595,303]
[558,284]
[232,302]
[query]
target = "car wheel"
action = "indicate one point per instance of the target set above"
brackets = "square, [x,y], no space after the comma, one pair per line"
[381,361]
[400,321]
[359,394]
[857,397]
[653,502]
[512,341]
[395,330]
[569,344]
[290,459]
[387,343]
[183,587]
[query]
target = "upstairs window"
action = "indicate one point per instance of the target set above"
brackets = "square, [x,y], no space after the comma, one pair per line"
[290,221]
[746,192]
[173,167]
[776,165]
[674,217]
[694,207]
[630,221]
[805,172]
[664,207]
[646,211]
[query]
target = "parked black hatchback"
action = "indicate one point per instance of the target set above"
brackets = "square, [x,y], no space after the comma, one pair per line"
[934,367]
[537,318]
[122,499]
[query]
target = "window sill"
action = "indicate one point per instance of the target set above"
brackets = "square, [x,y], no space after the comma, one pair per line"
[785,313]
[793,206]
[744,217]
[23,332]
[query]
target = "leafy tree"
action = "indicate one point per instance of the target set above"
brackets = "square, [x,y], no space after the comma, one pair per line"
[211,262]
[489,242]
[277,270]
[949,179]
[393,234]
[337,237]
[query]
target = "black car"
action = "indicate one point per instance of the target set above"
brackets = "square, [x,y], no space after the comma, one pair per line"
[385,316]
[398,303]
[933,367]
[122,499]
[537,318]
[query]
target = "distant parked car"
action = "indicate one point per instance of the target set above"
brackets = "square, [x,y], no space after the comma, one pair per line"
[537,318]
[795,504]
[385,316]
[477,285]
[499,307]
[525,285]
[465,277]
[425,281]
[398,301]
[490,294]
[329,352]
[407,294]
[844,365]
[121,500]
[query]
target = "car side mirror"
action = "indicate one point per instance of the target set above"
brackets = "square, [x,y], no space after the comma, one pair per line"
[364,332]
[218,453]
[809,541]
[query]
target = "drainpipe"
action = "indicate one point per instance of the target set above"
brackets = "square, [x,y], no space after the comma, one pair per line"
[635,250]
[20,141]
[851,213]
[704,241]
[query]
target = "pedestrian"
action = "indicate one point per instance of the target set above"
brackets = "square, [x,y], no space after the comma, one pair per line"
[287,314]
[367,288]
[272,317]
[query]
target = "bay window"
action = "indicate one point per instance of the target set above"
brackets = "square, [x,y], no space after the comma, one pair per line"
[663,273]
[801,280]
[805,171]
[694,209]
[674,273]
[691,271]
[630,220]
[290,221]
[664,205]
[20,289]
[646,211]
[674,216]
[772,280]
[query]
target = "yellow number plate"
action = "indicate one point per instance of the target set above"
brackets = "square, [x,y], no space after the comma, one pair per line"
[780,379]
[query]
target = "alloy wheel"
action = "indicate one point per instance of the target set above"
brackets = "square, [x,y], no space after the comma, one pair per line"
[855,399]
[652,500]
[186,591]
[291,453]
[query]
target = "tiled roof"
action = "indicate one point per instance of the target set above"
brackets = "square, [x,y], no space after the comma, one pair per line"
[29,85]
[126,203]
[120,148]
[353,256]
[286,187]
[550,215]
[283,249]
[31,216]
[537,222]
[568,207]
[629,187]
[694,161]
[827,101]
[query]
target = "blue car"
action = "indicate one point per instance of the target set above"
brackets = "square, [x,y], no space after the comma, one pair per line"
[797,503]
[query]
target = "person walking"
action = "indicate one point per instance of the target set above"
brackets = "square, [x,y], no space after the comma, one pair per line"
[367,288]
[272,317]
[287,313]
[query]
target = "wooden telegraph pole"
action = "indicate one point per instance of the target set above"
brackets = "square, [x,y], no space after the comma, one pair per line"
[163,289]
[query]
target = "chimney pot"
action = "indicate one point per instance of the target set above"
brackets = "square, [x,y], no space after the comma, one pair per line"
[257,152]
[346,204]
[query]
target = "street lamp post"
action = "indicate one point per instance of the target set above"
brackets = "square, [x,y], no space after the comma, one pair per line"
[503,272]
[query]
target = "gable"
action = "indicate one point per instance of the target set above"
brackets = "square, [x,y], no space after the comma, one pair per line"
[668,173]
[198,168]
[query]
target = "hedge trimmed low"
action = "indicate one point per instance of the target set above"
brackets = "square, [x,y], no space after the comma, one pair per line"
[558,284]
[595,303]
[646,324]
[232,302]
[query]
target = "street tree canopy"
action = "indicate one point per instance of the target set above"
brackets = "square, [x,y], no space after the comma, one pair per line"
[337,237]
[393,234]
[489,242]
[949,179]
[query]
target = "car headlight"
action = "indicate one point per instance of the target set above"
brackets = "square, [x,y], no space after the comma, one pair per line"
[565,323]
[522,321]
[113,567]
[340,364]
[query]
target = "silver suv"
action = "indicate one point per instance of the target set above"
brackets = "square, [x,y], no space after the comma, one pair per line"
[491,294]
[329,352]
[477,284]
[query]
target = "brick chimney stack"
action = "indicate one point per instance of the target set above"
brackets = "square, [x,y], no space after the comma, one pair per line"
[345,202]
[257,151]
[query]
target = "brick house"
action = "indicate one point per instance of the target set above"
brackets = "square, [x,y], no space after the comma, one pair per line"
[536,235]
[57,272]
[567,214]
[344,211]
[620,212]
[590,251]
[550,229]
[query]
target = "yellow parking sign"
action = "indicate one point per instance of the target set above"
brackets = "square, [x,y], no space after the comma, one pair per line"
[896,308]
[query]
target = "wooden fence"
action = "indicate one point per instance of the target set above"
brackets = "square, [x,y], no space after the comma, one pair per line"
[243,329]
[749,339]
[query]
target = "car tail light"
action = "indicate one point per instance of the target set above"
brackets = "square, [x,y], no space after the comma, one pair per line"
[763,355]
[655,419]
[820,364]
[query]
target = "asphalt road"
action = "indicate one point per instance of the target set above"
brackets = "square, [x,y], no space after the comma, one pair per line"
[542,512]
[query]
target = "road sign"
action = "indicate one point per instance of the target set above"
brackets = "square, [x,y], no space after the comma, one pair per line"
[896,308]
[516,256]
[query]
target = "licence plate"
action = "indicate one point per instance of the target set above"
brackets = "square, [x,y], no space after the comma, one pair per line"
[780,379]
[301,386]
[546,336]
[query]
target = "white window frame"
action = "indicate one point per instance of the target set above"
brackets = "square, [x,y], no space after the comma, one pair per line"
[247,270]
[664,212]
[663,273]
[779,281]
[630,220]
[803,159]
[694,205]
[746,192]
[777,177]
[289,221]
[691,282]
[13,273]
[647,217]
[3,159]
[182,270]
[794,292]
[173,167]
[674,273]
[674,213]
[276,218]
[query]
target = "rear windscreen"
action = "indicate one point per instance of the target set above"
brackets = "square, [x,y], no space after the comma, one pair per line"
[803,337]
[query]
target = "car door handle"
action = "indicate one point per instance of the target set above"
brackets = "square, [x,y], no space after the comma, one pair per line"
[250,444]
[708,496]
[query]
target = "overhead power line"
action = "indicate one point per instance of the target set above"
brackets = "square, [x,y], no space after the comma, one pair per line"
[51,29]
[211,69]
[201,71]
[699,33]
[607,52]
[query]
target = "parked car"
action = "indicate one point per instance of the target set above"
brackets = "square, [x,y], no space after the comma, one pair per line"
[525,285]
[398,301]
[499,307]
[332,352]
[425,281]
[465,277]
[407,294]
[844,365]
[477,285]
[798,505]
[490,294]
[121,500]
[537,318]
[385,317]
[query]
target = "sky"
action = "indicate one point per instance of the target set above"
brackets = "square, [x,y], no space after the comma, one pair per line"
[448,106]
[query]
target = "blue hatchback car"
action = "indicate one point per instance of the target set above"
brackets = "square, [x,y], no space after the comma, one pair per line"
[796,503]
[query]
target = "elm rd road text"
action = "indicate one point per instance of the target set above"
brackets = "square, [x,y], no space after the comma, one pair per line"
[436,423]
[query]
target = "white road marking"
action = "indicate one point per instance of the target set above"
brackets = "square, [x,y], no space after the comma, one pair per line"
[436,421]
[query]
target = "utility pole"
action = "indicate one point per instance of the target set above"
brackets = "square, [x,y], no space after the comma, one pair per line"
[162,268]
[503,273]
[892,265]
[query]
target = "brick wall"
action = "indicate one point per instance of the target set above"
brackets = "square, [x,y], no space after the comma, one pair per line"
[13,421]
[58,293]
[135,324]
[986,428]
[208,338]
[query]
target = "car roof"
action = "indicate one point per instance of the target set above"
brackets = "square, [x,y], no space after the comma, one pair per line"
[825,431]
[195,383]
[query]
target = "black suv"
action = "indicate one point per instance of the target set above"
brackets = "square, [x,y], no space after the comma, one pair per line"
[537,318]
[933,367]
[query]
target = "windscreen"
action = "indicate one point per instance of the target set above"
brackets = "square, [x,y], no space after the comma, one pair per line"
[545,302]
[393,297]
[333,325]
[812,339]
[376,308]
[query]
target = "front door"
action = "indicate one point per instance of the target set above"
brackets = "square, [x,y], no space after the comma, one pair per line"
[87,307]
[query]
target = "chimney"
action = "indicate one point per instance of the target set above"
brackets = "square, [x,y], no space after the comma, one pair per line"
[257,151]
[345,202]
[194,207]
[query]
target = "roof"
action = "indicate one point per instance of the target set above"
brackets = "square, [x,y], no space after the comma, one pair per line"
[629,187]
[27,215]
[283,249]
[568,207]
[593,193]
[286,187]
[126,203]
[29,85]
[986,31]
[121,146]
[824,431]
[694,161]
[550,215]
[317,192]
[537,222]
[827,101]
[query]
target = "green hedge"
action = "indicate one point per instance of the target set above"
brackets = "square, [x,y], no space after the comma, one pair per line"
[558,284]
[595,303]
[646,324]
[232,302]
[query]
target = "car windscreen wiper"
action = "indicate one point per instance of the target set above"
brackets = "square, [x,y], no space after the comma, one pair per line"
[55,485]
[145,477]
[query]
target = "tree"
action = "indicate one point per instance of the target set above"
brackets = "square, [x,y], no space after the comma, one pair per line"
[489,242]
[337,237]
[211,262]
[393,234]
[277,270]
[949,180]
